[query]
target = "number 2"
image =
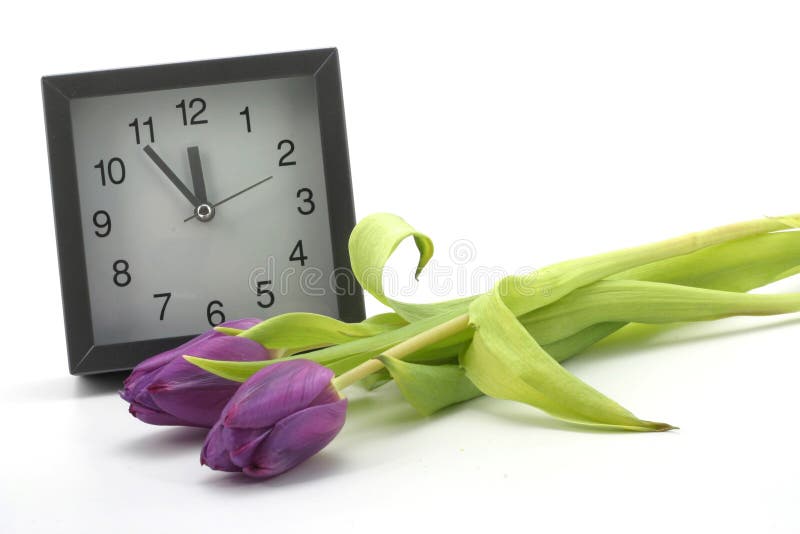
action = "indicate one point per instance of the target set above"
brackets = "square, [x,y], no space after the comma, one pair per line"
[282,162]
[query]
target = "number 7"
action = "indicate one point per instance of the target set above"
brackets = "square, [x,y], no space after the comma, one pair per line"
[166,297]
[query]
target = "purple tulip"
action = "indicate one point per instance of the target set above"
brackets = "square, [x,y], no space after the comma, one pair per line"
[281,416]
[167,390]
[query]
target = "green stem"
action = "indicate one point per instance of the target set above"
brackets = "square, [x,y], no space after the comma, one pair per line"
[404,348]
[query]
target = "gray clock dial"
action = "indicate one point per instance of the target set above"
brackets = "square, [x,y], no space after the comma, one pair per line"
[200,205]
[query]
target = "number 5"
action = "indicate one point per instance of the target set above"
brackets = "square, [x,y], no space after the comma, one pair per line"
[263,289]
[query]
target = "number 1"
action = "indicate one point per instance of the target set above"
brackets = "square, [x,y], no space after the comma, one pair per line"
[246,113]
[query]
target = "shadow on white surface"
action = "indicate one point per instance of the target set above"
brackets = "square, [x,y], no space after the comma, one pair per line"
[161,442]
[69,387]
[636,338]
[527,417]
[312,471]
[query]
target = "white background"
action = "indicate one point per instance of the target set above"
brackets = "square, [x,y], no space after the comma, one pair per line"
[539,134]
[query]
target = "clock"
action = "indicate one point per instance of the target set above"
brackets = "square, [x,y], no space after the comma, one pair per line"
[189,194]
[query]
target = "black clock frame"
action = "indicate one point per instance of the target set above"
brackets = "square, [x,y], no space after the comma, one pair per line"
[85,357]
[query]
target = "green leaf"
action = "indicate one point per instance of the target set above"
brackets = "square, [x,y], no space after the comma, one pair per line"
[339,358]
[429,388]
[228,331]
[528,292]
[309,330]
[504,361]
[646,302]
[237,371]
[566,348]
[376,380]
[390,320]
[740,265]
[373,240]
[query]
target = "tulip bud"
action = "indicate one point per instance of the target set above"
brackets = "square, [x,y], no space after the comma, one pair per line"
[281,416]
[167,390]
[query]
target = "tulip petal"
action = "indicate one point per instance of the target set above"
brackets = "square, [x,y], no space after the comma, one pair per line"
[214,453]
[142,374]
[136,386]
[153,417]
[144,399]
[196,398]
[296,438]
[242,443]
[194,395]
[276,391]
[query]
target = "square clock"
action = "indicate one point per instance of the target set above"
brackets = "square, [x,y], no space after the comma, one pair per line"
[189,194]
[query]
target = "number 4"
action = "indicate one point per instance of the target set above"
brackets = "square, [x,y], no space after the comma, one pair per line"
[297,254]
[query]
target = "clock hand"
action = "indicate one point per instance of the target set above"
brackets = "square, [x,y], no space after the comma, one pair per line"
[224,200]
[197,174]
[169,173]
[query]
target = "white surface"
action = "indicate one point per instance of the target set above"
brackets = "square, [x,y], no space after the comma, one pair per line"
[539,135]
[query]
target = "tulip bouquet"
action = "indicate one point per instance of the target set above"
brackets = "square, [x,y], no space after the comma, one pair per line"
[271,391]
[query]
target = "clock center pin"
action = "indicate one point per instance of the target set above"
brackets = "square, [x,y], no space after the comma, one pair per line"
[205,212]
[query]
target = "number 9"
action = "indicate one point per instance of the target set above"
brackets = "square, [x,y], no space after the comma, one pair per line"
[102,221]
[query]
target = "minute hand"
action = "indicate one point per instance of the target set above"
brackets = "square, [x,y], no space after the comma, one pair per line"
[224,200]
[171,175]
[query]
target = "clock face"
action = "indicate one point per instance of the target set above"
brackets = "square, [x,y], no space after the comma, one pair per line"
[200,205]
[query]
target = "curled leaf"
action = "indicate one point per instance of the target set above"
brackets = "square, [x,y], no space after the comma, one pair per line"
[373,240]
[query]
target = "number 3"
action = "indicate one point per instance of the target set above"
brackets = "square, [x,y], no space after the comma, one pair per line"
[306,210]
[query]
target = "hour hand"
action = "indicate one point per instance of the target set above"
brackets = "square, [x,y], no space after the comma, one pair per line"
[197,174]
[169,173]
